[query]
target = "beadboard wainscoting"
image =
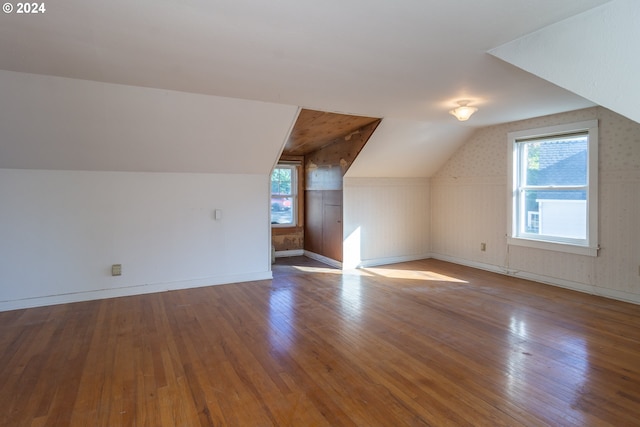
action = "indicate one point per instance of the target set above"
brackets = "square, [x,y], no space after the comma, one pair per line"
[386,220]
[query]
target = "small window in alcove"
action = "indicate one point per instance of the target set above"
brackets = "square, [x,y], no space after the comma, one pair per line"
[284,187]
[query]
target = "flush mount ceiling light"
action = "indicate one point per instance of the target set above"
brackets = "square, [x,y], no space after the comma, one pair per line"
[463,112]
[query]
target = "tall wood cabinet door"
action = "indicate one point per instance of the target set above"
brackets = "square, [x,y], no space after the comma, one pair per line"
[332,232]
[313,221]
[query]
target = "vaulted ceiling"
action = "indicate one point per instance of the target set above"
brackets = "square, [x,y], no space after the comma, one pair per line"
[405,61]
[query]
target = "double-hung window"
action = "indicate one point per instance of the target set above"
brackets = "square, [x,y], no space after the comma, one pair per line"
[553,193]
[284,186]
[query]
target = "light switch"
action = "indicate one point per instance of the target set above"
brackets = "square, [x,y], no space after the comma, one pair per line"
[217,214]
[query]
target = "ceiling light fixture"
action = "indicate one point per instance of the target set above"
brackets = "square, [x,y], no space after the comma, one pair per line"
[463,112]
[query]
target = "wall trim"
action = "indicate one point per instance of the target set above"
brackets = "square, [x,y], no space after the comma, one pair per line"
[131,290]
[292,252]
[368,262]
[374,262]
[546,280]
[324,259]
[267,275]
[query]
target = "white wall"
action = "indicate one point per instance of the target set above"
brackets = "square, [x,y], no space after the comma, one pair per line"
[385,220]
[95,174]
[408,149]
[469,205]
[593,54]
[60,231]
[59,123]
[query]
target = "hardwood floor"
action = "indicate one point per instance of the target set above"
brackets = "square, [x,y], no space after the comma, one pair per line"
[420,343]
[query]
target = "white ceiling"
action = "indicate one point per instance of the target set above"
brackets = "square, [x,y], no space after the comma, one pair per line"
[406,61]
[594,54]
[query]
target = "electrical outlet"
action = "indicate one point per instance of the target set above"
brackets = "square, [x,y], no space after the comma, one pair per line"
[483,247]
[116,270]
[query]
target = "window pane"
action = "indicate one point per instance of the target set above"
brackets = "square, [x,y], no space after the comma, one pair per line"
[281,181]
[281,212]
[555,162]
[554,202]
[555,213]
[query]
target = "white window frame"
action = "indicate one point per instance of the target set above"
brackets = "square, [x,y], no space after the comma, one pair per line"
[294,194]
[588,246]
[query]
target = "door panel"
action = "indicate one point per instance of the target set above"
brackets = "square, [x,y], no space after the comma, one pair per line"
[313,221]
[332,232]
[323,223]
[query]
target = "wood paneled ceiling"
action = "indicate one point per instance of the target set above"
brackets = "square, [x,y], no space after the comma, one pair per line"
[316,129]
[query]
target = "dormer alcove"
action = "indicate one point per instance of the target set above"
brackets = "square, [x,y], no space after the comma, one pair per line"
[325,145]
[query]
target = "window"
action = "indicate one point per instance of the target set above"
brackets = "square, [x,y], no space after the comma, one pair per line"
[284,196]
[553,196]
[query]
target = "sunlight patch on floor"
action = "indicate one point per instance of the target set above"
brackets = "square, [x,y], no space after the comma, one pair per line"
[392,273]
[328,270]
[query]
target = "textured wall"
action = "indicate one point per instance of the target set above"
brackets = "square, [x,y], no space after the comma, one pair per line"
[469,206]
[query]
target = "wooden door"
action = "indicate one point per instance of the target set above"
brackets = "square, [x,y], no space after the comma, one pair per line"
[313,221]
[332,232]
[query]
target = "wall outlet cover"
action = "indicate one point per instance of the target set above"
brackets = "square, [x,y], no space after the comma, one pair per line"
[116,270]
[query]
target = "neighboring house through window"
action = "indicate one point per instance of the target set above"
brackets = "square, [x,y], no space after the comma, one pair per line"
[284,195]
[553,196]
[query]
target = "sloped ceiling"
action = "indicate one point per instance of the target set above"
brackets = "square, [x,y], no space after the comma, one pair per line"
[314,130]
[58,123]
[594,54]
[405,61]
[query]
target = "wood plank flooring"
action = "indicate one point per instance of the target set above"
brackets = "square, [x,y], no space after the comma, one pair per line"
[424,343]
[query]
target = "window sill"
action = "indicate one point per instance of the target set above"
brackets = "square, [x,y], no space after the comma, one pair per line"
[285,227]
[553,246]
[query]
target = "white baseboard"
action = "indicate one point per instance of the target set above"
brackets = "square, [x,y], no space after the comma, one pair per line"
[236,278]
[131,290]
[294,252]
[366,263]
[474,264]
[324,259]
[547,280]
[391,260]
